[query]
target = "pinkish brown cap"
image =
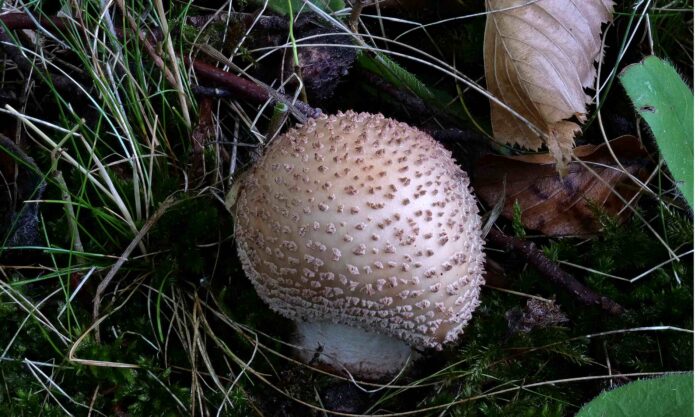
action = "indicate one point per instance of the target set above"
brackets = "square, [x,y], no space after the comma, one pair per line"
[360,220]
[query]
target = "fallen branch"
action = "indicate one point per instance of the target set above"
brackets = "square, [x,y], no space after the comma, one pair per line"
[243,88]
[250,90]
[213,92]
[550,270]
[13,50]
[16,21]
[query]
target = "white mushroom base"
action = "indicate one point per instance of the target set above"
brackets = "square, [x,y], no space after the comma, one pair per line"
[345,349]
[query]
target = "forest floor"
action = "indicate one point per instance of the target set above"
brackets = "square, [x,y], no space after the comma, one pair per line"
[126,126]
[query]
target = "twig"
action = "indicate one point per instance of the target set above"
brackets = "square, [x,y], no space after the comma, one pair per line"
[354,18]
[246,89]
[25,65]
[214,92]
[19,20]
[241,87]
[23,21]
[553,272]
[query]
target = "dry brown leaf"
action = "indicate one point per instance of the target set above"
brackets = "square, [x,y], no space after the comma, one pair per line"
[563,206]
[538,59]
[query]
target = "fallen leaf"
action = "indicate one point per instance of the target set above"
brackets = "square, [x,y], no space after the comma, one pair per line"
[538,314]
[559,206]
[539,57]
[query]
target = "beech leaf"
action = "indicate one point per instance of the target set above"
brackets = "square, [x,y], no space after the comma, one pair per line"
[539,57]
[564,206]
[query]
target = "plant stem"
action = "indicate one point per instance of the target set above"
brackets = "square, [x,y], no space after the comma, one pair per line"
[553,272]
[184,106]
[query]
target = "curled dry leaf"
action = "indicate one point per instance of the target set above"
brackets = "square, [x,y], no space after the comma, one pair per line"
[539,57]
[564,206]
[538,314]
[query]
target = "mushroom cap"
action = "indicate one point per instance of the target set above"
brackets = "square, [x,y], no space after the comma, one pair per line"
[361,220]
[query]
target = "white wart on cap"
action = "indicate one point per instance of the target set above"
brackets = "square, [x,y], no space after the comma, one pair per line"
[364,231]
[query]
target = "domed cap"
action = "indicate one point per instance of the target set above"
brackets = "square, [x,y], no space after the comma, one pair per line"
[364,221]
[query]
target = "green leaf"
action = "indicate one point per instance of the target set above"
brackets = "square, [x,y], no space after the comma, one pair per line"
[667,396]
[394,73]
[282,6]
[666,103]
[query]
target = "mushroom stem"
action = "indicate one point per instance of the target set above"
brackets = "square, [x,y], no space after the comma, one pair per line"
[344,349]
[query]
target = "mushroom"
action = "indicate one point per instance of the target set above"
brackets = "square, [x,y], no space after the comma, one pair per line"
[364,231]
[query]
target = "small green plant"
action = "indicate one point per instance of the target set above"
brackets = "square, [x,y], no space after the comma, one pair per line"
[518,227]
[666,103]
[666,396]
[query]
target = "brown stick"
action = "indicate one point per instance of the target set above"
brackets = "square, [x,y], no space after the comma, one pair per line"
[25,65]
[17,21]
[247,89]
[552,271]
[354,19]
[241,87]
